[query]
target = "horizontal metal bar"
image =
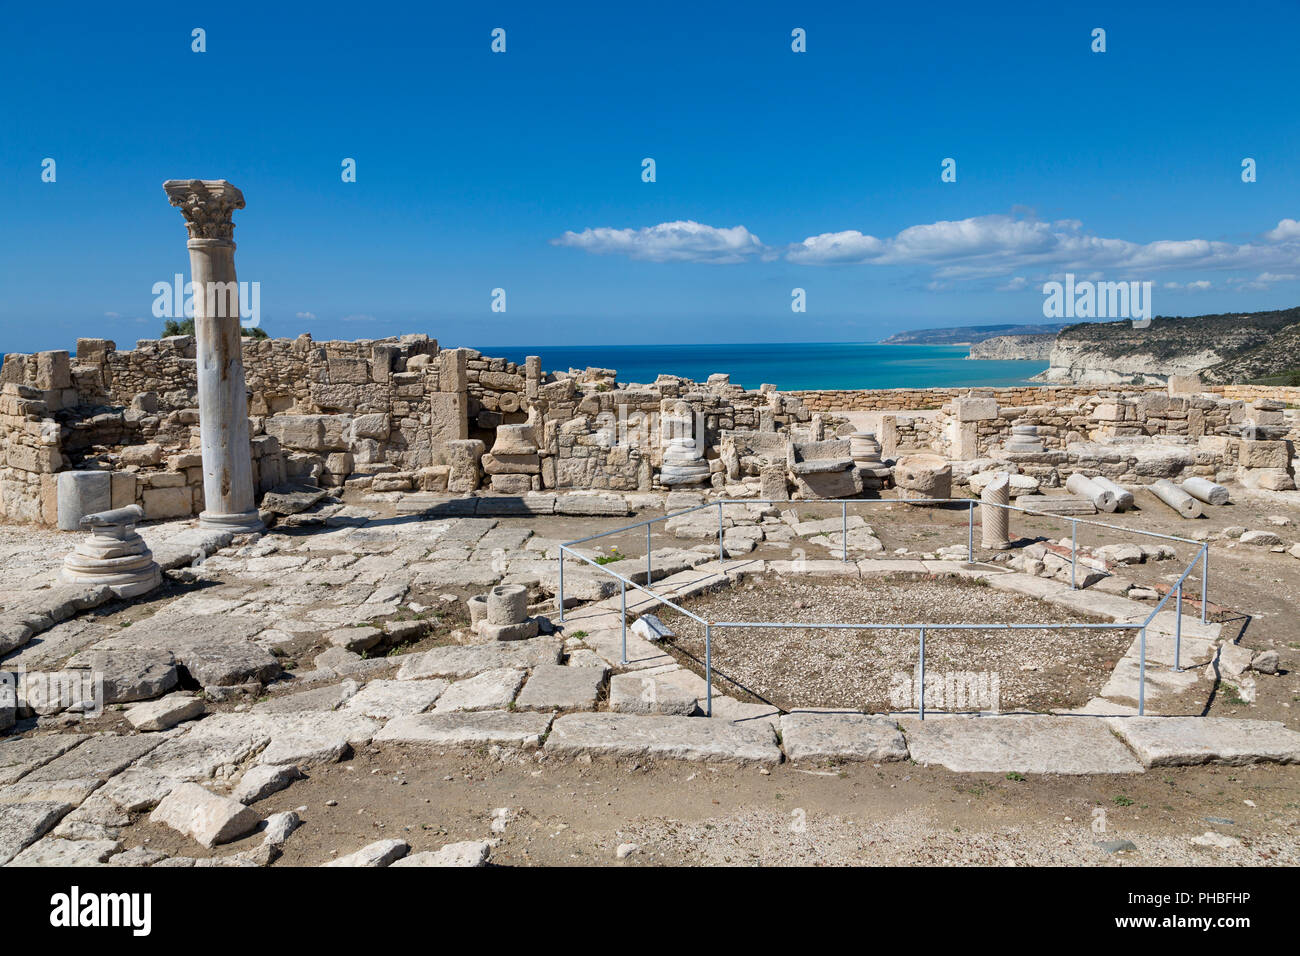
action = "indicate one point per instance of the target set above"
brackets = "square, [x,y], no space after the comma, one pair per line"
[633,527]
[630,583]
[932,627]
[941,501]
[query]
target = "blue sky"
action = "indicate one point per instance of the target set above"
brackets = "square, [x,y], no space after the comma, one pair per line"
[818,170]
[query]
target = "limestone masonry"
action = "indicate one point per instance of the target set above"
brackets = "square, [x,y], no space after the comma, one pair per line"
[403,414]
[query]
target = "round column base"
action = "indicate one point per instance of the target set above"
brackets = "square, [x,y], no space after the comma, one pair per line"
[246,523]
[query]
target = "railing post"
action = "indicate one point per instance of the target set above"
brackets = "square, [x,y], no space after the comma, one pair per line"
[844,526]
[708,670]
[649,563]
[622,586]
[1074,549]
[1178,626]
[561,584]
[720,552]
[1142,673]
[922,688]
[970,533]
[1205,580]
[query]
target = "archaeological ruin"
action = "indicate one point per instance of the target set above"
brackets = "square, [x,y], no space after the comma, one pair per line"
[266,557]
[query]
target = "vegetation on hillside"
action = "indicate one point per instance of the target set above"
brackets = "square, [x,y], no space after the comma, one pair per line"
[1228,335]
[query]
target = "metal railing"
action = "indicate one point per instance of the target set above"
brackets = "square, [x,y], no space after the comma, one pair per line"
[1202,557]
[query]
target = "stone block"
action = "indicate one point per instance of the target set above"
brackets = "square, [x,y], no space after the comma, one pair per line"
[168,503]
[82,493]
[973,408]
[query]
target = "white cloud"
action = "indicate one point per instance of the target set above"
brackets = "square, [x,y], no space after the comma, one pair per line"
[996,245]
[112,315]
[305,315]
[1286,229]
[980,247]
[358,317]
[681,241]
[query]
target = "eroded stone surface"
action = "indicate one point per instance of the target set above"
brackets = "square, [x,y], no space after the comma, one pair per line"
[467,729]
[490,690]
[556,687]
[385,699]
[807,735]
[475,659]
[1187,741]
[680,738]
[1029,744]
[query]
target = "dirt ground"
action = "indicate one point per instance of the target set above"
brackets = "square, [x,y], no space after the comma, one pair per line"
[575,813]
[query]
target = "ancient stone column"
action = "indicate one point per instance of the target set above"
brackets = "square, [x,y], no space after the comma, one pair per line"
[208,205]
[994,521]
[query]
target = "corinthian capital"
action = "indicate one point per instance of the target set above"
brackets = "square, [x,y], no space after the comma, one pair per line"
[207,205]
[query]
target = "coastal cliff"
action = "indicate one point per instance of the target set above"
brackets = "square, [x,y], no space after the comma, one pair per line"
[1116,353]
[1009,347]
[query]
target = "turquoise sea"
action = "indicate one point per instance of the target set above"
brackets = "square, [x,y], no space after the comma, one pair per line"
[789,366]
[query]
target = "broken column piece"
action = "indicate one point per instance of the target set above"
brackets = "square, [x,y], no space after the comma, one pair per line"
[995,522]
[1202,489]
[114,554]
[1101,497]
[1176,498]
[1123,497]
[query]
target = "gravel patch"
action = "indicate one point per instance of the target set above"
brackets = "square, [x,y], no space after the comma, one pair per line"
[873,670]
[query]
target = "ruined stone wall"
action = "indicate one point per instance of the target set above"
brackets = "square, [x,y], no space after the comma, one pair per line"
[1249,393]
[402,414]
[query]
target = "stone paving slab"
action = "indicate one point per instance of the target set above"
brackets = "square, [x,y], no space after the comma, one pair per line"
[890,566]
[1029,744]
[1188,741]
[676,738]
[491,690]
[57,791]
[738,712]
[809,735]
[311,738]
[468,660]
[214,747]
[641,692]
[216,649]
[98,758]
[1167,690]
[556,687]
[22,824]
[820,567]
[641,654]
[385,699]
[55,851]
[467,729]
[1195,634]
[21,755]
[319,698]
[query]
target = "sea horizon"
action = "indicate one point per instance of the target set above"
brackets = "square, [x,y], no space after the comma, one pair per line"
[790,366]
